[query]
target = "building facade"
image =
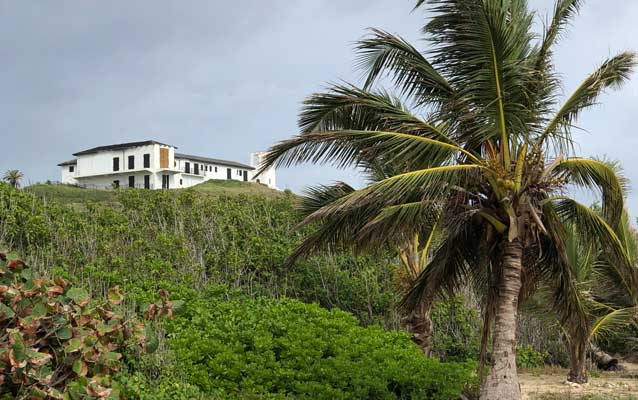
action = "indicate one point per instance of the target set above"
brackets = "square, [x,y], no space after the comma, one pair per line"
[154,165]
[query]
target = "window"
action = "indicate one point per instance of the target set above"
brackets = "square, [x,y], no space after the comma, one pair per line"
[187,167]
[71,168]
[147,181]
[229,173]
[116,163]
[131,181]
[116,184]
[180,182]
[215,169]
[165,181]
[147,161]
[196,169]
[131,162]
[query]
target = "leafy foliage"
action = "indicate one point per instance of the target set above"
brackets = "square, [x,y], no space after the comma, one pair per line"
[286,349]
[57,343]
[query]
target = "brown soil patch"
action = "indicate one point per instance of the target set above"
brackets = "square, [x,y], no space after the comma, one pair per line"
[546,381]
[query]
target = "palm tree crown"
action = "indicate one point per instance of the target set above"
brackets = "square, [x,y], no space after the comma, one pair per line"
[13,177]
[483,146]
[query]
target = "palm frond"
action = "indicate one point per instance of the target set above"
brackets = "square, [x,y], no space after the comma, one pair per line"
[382,53]
[564,11]
[599,176]
[611,322]
[319,196]
[613,73]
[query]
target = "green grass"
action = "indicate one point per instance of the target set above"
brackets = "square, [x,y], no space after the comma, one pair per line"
[68,194]
[218,187]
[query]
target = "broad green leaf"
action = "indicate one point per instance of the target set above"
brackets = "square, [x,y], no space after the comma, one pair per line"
[74,345]
[64,333]
[78,295]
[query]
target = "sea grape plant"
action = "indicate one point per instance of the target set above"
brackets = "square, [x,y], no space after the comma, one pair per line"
[58,343]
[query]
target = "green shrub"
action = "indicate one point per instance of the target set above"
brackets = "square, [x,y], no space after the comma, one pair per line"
[57,343]
[245,347]
[456,330]
[528,357]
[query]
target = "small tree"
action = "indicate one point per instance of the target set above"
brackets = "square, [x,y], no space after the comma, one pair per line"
[13,177]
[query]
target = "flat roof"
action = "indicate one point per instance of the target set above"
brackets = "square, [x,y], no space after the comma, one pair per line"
[120,146]
[68,162]
[213,161]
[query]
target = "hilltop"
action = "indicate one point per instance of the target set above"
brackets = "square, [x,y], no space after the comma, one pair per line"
[69,194]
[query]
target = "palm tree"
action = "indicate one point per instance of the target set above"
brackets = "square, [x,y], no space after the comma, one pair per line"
[485,149]
[13,177]
[412,252]
[607,295]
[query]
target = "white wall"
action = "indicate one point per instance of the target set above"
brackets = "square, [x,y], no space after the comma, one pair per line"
[267,177]
[96,169]
[67,176]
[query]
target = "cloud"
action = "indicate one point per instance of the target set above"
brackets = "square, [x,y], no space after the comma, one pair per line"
[222,79]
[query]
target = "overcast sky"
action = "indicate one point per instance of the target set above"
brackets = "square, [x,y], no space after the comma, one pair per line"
[224,78]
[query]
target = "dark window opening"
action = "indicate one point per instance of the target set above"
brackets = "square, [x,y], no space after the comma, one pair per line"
[187,167]
[116,184]
[196,169]
[147,181]
[131,162]
[131,181]
[180,182]
[245,176]
[229,173]
[215,169]
[147,161]
[116,163]
[165,180]
[71,168]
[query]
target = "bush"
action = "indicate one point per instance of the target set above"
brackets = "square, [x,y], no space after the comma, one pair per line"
[456,330]
[57,343]
[245,347]
[528,357]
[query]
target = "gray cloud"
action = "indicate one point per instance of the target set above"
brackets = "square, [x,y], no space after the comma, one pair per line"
[225,78]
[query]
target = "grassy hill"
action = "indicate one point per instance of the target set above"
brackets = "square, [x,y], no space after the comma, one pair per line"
[68,194]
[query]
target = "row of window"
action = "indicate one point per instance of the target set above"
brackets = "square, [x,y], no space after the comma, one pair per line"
[131,162]
[198,167]
[131,182]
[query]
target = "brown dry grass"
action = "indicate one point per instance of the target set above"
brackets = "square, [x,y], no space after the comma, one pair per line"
[549,384]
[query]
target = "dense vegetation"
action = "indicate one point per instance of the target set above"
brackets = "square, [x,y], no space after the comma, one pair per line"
[224,256]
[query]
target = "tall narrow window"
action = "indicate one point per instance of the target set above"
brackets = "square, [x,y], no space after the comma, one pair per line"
[147,181]
[229,173]
[116,163]
[131,181]
[215,169]
[71,168]
[147,161]
[131,162]
[165,182]
[196,169]
[187,167]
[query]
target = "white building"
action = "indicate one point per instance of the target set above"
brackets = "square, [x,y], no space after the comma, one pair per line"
[154,165]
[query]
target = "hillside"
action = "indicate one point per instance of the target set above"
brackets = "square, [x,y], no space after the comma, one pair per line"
[225,258]
[69,194]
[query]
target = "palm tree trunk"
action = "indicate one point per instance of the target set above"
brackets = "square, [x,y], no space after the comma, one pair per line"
[577,355]
[419,324]
[502,381]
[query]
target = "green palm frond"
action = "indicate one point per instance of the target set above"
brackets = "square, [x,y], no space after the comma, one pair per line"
[611,322]
[482,47]
[354,148]
[564,11]
[320,196]
[429,184]
[613,73]
[344,107]
[599,176]
[383,53]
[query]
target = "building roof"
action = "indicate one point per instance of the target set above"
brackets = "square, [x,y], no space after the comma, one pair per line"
[69,162]
[213,161]
[119,146]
